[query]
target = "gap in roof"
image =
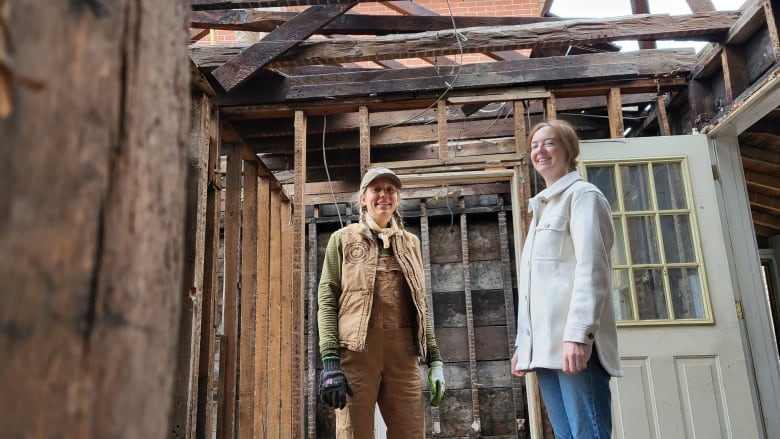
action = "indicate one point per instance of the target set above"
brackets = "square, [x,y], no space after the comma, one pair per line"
[618,8]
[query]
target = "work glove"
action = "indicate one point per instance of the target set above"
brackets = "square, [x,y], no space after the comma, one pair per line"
[333,384]
[436,382]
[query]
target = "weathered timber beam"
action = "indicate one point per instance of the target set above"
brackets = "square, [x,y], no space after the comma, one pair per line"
[760,166]
[207,5]
[765,219]
[711,26]
[766,182]
[246,64]
[349,24]
[378,82]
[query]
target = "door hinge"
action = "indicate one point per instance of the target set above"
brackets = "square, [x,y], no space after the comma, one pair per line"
[715,173]
[740,314]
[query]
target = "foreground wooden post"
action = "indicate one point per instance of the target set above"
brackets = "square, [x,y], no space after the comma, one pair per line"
[94,152]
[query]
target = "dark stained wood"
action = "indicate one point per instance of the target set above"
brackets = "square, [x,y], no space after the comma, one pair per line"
[350,24]
[206,5]
[296,244]
[642,7]
[706,26]
[92,248]
[240,68]
[735,71]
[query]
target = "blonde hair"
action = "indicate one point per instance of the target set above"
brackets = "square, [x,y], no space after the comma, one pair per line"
[396,215]
[566,136]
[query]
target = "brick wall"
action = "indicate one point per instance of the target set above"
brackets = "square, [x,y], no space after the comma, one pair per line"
[488,8]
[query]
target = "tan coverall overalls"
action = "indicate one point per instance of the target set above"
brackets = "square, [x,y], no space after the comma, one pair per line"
[387,373]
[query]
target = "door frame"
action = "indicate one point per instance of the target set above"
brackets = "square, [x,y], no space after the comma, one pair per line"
[744,260]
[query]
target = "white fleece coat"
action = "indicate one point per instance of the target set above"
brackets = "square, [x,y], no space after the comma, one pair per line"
[565,277]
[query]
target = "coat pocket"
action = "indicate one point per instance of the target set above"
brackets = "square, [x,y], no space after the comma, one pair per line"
[352,313]
[550,235]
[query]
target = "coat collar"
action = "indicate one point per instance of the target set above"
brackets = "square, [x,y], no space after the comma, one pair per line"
[551,192]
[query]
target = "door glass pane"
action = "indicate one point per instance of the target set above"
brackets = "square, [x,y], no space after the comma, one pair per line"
[650,297]
[686,293]
[636,188]
[621,295]
[618,249]
[678,241]
[669,186]
[604,178]
[642,240]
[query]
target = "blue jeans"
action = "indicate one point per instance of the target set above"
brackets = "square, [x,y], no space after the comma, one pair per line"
[579,406]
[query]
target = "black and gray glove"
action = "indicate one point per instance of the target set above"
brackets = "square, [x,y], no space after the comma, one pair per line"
[334,387]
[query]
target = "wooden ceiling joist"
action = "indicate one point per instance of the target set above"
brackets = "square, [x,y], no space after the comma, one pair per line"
[349,24]
[709,26]
[207,5]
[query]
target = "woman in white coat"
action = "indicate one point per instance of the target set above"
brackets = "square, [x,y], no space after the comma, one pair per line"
[566,329]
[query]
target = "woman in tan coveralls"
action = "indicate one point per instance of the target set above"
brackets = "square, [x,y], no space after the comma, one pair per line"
[373,320]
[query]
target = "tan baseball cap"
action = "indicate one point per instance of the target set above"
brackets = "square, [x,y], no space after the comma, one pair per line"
[374,173]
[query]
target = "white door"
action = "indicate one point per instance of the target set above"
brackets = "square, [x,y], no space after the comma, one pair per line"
[679,334]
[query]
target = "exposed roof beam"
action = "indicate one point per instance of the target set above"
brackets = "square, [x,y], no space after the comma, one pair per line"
[381,82]
[244,65]
[766,182]
[703,26]
[349,24]
[763,201]
[206,5]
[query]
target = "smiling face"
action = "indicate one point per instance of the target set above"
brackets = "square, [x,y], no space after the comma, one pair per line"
[381,199]
[548,155]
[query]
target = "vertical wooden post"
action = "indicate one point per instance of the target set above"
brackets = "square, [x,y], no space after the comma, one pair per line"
[274,319]
[550,108]
[663,119]
[615,111]
[230,318]
[298,244]
[206,414]
[92,247]
[313,349]
[365,140]
[518,117]
[771,15]
[464,242]
[183,417]
[247,410]
[441,113]
[286,337]
[425,244]
[262,398]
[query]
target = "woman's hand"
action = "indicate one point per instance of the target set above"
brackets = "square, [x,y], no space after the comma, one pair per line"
[574,357]
[517,373]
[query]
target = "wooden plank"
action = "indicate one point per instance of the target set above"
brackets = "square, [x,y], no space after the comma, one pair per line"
[550,111]
[232,279]
[288,387]
[207,417]
[663,119]
[520,129]
[470,323]
[349,24]
[615,112]
[425,244]
[207,5]
[707,26]
[312,339]
[365,140]
[262,398]
[274,342]
[247,411]
[441,129]
[771,15]
[509,309]
[297,244]
[188,353]
[239,69]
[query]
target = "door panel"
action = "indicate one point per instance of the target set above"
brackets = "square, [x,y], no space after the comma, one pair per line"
[680,343]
